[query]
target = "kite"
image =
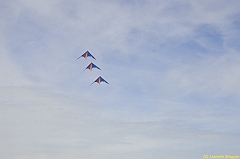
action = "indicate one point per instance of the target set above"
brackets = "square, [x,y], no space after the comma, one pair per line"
[86,54]
[99,80]
[91,66]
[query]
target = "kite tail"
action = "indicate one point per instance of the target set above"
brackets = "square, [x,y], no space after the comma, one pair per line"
[83,71]
[78,58]
[92,83]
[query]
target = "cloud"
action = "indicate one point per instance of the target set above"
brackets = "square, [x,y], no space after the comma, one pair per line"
[11,73]
[43,124]
[40,122]
[212,77]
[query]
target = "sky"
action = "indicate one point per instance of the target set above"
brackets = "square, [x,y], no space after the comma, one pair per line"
[172,67]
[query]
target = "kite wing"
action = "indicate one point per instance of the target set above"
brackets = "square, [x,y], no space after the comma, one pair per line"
[99,80]
[86,54]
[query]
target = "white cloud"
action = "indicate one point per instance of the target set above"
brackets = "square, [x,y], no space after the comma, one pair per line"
[215,76]
[37,123]
[11,73]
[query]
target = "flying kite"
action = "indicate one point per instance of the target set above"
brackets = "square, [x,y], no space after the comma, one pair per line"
[91,66]
[86,54]
[99,80]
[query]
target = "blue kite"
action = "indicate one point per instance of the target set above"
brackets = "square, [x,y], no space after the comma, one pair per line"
[91,66]
[99,80]
[86,54]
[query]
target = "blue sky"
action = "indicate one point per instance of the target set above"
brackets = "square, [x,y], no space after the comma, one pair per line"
[173,69]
